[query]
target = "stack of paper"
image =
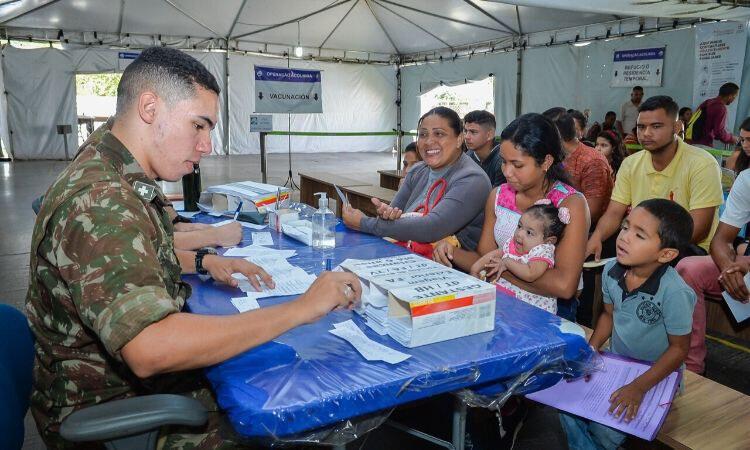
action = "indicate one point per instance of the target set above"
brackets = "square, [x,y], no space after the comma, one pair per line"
[417,301]
[369,349]
[590,399]
[254,197]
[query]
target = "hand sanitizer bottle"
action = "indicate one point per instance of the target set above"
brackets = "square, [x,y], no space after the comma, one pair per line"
[323,225]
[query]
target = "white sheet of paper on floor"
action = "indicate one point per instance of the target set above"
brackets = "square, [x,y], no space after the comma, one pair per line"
[369,349]
[244,304]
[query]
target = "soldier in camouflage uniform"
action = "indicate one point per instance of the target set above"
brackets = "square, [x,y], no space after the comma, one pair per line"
[187,235]
[105,296]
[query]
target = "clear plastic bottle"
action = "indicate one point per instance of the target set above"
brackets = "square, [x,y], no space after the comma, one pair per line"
[323,225]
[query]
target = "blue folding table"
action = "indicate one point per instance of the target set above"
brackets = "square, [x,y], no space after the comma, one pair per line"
[308,379]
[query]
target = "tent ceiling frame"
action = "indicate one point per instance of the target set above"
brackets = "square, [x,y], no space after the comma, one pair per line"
[217,44]
[382,27]
[450,19]
[234,22]
[32,10]
[296,19]
[120,17]
[411,22]
[495,19]
[518,19]
[337,25]
[190,16]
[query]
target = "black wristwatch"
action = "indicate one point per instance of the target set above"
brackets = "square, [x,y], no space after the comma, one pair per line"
[180,219]
[199,259]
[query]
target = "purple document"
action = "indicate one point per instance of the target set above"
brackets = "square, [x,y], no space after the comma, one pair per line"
[591,399]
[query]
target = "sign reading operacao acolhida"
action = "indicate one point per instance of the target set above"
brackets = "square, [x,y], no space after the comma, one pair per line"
[281,90]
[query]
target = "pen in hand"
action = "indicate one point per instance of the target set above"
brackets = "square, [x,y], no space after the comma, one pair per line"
[237,212]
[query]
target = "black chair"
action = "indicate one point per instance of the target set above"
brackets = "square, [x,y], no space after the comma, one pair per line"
[127,424]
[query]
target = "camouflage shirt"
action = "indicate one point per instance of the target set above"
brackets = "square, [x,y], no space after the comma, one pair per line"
[102,269]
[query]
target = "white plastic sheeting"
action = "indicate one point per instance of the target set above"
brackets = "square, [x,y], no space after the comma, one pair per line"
[41,95]
[418,79]
[573,77]
[356,98]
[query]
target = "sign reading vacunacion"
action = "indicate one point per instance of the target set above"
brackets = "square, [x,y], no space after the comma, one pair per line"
[638,67]
[281,90]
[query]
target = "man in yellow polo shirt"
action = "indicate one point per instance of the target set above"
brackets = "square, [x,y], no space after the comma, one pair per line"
[668,168]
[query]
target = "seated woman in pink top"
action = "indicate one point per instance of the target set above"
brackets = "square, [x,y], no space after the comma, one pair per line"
[532,164]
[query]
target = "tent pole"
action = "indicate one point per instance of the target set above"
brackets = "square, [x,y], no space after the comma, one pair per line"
[227,109]
[519,80]
[399,130]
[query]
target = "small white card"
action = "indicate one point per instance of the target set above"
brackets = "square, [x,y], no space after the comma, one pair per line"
[244,304]
[741,311]
[262,238]
[369,349]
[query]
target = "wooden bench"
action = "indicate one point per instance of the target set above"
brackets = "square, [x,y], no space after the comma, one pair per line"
[719,318]
[708,415]
[390,179]
[360,197]
[312,182]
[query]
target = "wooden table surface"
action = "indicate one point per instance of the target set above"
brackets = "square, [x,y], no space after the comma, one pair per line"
[360,197]
[312,182]
[390,179]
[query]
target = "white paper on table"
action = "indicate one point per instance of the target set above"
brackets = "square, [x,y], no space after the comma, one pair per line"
[178,205]
[216,213]
[188,214]
[253,226]
[262,238]
[741,311]
[222,223]
[295,283]
[244,304]
[257,250]
[369,349]
[273,264]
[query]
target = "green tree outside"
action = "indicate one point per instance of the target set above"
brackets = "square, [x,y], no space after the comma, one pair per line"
[98,84]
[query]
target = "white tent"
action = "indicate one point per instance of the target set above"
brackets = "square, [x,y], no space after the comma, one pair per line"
[431,42]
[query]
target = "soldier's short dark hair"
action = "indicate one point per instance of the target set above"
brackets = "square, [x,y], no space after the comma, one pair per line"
[664,102]
[480,117]
[170,73]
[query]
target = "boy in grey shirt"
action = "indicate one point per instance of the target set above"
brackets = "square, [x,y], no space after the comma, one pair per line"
[648,312]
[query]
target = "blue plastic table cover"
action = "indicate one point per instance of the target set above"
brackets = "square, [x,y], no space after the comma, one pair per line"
[309,379]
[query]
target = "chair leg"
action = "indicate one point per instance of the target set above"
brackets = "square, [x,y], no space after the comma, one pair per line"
[143,441]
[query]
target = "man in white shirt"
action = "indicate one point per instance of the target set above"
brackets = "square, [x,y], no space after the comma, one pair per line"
[629,112]
[723,270]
